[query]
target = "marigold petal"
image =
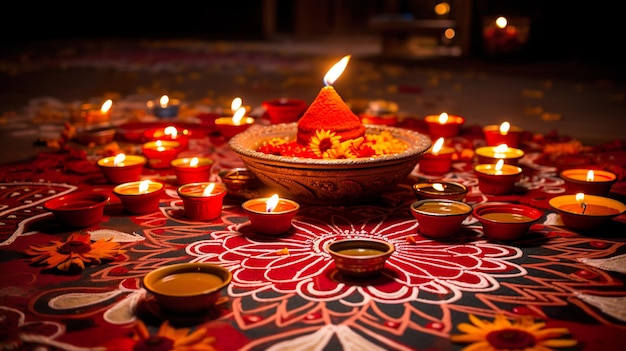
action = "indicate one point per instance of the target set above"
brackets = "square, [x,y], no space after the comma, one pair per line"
[558,342]
[478,322]
[479,346]
[468,328]
[550,333]
[64,266]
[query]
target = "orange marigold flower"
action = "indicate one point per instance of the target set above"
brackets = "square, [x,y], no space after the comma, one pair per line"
[322,141]
[77,250]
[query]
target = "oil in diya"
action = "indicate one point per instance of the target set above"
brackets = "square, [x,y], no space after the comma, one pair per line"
[438,160]
[171,133]
[504,221]
[586,212]
[491,154]
[202,201]
[192,169]
[588,181]
[231,126]
[160,153]
[270,216]
[498,178]
[122,168]
[439,218]
[444,125]
[140,197]
[164,107]
[504,133]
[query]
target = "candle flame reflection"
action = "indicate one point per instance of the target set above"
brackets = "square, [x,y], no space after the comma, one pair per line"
[144,186]
[438,186]
[335,71]
[164,101]
[208,190]
[106,106]
[590,176]
[271,203]
[443,118]
[194,162]
[504,128]
[501,22]
[119,160]
[437,146]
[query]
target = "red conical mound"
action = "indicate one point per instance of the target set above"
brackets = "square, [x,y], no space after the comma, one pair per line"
[329,112]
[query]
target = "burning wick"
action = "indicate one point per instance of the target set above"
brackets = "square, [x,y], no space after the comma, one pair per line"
[580,197]
[271,203]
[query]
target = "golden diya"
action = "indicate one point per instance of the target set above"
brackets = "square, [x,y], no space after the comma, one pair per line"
[491,154]
[360,257]
[504,221]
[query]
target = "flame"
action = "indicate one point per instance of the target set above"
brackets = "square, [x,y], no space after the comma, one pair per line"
[590,176]
[437,146]
[500,150]
[499,166]
[236,104]
[143,186]
[271,203]
[164,101]
[208,190]
[193,162]
[171,131]
[501,22]
[335,71]
[438,186]
[119,160]
[443,118]
[504,128]
[580,198]
[106,106]
[238,116]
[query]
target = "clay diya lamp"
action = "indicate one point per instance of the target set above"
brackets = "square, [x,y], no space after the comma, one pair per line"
[588,181]
[187,288]
[586,212]
[439,190]
[170,133]
[271,215]
[79,209]
[444,125]
[438,218]
[437,160]
[140,197]
[360,257]
[497,179]
[228,127]
[192,169]
[160,153]
[284,110]
[491,154]
[504,133]
[504,221]
[122,168]
[238,180]
[164,107]
[202,201]
[91,114]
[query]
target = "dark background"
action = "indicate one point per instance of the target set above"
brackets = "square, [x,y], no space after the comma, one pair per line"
[560,30]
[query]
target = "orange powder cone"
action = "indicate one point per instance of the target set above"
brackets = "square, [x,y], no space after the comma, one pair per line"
[329,112]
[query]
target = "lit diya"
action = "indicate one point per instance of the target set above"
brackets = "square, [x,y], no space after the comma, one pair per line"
[122,168]
[491,154]
[505,133]
[192,169]
[91,114]
[171,133]
[160,153]
[440,190]
[272,215]
[438,160]
[497,179]
[444,125]
[231,126]
[588,181]
[140,197]
[164,107]
[586,212]
[202,201]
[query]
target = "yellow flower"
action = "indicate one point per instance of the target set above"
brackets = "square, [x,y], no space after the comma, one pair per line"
[385,144]
[169,338]
[342,150]
[76,250]
[522,334]
[322,141]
